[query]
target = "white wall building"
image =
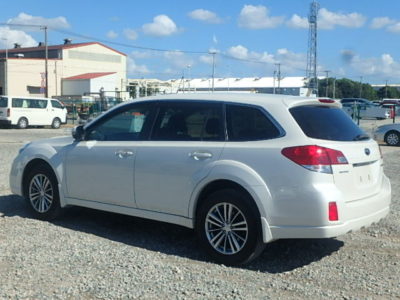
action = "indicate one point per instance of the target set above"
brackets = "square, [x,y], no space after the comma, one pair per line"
[22,69]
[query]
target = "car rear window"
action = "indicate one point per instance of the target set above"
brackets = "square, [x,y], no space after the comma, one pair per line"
[327,123]
[3,102]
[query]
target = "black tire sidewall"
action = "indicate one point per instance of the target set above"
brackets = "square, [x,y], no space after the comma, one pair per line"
[55,208]
[254,239]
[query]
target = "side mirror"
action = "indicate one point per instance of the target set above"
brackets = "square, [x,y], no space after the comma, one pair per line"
[78,133]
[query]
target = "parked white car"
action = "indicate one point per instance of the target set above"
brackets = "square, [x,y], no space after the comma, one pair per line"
[390,134]
[28,111]
[242,169]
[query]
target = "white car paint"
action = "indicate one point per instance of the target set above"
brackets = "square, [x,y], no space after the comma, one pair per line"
[162,180]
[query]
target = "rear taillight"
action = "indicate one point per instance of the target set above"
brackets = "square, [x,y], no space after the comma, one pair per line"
[333,212]
[315,158]
[8,113]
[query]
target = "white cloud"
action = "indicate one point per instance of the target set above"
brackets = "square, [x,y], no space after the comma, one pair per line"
[257,17]
[215,40]
[26,19]
[162,26]
[207,59]
[297,22]
[205,16]
[290,61]
[328,19]
[383,67]
[395,28]
[381,22]
[178,60]
[140,54]
[130,34]
[111,34]
[239,52]
[134,68]
[12,36]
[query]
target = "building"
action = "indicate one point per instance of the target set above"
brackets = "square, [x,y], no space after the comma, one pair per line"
[269,85]
[70,67]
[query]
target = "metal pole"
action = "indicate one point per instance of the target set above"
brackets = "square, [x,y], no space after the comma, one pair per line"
[213,70]
[46,91]
[334,88]
[279,78]
[360,86]
[386,87]
[6,69]
[327,83]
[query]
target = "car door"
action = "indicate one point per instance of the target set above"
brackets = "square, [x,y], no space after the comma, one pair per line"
[187,139]
[101,168]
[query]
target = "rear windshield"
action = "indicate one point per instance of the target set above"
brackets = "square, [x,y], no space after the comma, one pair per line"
[327,123]
[3,102]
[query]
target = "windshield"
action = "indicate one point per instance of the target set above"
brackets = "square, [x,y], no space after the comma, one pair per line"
[3,102]
[327,123]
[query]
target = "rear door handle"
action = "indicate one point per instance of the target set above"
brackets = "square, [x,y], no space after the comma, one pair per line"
[197,155]
[123,153]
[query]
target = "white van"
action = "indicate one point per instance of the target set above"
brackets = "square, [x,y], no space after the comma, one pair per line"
[25,111]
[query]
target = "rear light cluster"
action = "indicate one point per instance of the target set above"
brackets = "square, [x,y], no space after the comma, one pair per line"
[315,158]
[333,211]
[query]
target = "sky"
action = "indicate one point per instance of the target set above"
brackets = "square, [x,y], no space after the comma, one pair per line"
[357,39]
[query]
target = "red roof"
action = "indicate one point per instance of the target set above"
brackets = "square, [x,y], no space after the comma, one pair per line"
[62,46]
[89,75]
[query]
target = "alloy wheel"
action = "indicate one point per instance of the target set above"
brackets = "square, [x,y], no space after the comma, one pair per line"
[226,228]
[41,193]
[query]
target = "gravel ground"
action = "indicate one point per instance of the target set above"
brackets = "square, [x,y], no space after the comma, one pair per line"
[92,254]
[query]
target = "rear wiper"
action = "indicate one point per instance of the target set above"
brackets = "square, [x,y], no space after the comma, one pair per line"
[361,137]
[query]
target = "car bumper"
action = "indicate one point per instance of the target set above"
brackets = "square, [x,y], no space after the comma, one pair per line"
[5,122]
[353,216]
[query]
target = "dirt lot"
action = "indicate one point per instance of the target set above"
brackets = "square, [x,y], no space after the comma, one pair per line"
[91,254]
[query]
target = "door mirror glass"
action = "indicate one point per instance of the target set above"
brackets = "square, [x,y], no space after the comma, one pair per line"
[78,133]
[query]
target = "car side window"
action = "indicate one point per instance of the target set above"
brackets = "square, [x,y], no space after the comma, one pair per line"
[130,124]
[56,104]
[179,121]
[246,123]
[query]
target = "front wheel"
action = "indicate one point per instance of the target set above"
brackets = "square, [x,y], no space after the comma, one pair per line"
[229,227]
[41,192]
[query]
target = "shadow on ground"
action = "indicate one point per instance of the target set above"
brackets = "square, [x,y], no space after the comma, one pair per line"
[279,256]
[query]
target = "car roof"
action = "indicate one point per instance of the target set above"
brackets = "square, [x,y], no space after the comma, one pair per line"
[242,98]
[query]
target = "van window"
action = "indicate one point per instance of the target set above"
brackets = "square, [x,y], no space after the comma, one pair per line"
[29,103]
[56,104]
[3,102]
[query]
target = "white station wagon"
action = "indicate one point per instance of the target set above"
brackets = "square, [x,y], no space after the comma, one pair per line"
[242,169]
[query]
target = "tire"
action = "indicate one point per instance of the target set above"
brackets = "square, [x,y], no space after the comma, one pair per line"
[41,192]
[230,245]
[22,123]
[392,138]
[56,123]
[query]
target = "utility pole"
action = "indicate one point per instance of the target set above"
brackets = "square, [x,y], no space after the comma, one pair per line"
[334,88]
[6,70]
[361,78]
[386,89]
[213,69]
[46,67]
[311,72]
[279,77]
[274,81]
[327,83]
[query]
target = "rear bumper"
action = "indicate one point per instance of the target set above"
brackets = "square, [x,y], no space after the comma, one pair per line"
[5,122]
[352,216]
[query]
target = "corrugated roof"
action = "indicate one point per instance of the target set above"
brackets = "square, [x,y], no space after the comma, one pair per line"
[89,75]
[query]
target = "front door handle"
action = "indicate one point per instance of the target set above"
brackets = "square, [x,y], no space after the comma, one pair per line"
[197,155]
[123,153]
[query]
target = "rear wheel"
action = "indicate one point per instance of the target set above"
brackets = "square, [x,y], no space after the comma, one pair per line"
[56,123]
[392,138]
[41,192]
[22,123]
[229,227]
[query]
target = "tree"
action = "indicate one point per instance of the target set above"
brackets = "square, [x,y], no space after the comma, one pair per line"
[388,92]
[346,88]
